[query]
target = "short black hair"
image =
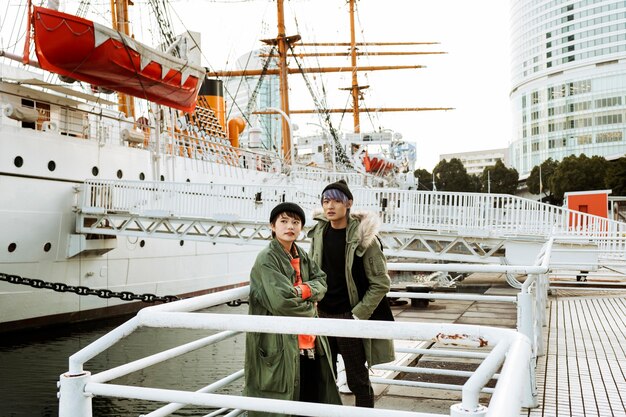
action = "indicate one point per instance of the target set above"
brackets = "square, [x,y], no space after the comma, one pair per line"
[291,209]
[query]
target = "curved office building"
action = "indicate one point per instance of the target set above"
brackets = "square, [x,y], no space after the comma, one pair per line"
[568,93]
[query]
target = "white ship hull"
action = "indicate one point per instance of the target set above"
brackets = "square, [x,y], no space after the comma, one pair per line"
[38,238]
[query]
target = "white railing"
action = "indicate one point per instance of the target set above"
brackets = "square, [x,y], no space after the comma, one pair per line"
[466,214]
[325,177]
[531,301]
[510,349]
[498,214]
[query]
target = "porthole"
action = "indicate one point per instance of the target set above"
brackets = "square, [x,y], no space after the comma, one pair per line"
[182,243]
[95,171]
[188,180]
[142,176]
[12,247]
[18,161]
[47,247]
[142,243]
[52,166]
[120,174]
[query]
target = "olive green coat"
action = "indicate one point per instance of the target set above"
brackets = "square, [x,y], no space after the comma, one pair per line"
[361,241]
[272,361]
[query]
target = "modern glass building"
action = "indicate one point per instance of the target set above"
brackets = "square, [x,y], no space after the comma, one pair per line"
[568,80]
[244,95]
[475,162]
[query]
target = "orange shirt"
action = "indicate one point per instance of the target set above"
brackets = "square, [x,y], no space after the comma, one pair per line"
[305,341]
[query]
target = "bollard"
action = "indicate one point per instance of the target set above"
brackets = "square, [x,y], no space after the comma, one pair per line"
[457,410]
[419,302]
[73,401]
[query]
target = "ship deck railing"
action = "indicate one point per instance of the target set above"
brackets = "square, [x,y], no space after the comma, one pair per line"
[110,128]
[475,215]
[509,356]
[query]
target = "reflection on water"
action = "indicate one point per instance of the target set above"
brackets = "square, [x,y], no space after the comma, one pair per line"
[30,365]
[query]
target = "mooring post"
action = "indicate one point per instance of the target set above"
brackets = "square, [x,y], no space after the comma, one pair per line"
[73,401]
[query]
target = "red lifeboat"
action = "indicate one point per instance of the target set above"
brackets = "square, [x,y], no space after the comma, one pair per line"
[378,164]
[87,51]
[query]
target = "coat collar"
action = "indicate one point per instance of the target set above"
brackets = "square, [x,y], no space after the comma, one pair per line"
[362,226]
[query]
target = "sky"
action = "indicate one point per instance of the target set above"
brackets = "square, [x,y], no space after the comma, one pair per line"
[473,77]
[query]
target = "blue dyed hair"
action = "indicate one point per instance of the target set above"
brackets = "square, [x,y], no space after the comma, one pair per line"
[334,194]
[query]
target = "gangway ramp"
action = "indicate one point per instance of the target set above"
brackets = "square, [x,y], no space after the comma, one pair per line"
[465,227]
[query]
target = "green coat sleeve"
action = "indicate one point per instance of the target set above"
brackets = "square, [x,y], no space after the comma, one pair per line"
[379,282]
[316,280]
[274,291]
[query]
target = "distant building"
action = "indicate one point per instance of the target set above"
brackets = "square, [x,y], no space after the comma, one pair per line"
[568,84]
[476,161]
[244,95]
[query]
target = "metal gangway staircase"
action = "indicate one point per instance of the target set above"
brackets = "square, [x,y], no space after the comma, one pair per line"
[440,226]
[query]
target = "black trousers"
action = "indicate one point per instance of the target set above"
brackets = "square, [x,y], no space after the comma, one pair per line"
[310,377]
[353,354]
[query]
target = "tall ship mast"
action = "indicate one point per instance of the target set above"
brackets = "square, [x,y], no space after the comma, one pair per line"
[285,47]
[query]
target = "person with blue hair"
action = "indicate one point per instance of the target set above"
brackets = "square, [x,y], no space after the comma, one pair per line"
[345,243]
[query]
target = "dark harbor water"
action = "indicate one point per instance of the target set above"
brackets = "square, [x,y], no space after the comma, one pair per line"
[30,365]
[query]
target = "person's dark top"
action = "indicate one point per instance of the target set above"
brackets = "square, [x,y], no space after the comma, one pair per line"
[336,299]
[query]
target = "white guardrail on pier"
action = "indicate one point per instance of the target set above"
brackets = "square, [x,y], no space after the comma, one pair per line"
[465,214]
[515,352]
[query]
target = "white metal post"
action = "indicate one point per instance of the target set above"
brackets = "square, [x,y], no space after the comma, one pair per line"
[525,316]
[73,401]
[541,296]
[529,389]
[526,319]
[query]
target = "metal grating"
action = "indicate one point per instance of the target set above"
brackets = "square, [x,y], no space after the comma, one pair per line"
[584,371]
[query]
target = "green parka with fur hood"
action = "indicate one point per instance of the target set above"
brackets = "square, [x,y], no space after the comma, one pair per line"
[272,361]
[361,241]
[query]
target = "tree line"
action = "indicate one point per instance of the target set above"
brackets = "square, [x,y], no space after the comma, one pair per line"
[551,180]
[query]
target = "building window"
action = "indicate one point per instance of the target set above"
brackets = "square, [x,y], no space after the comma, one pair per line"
[583,140]
[534,130]
[605,137]
[535,97]
[609,119]
[608,102]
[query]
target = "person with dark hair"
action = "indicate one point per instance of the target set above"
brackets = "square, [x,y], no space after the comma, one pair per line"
[285,282]
[346,245]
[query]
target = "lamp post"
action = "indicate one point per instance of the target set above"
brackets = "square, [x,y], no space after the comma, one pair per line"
[332,144]
[265,110]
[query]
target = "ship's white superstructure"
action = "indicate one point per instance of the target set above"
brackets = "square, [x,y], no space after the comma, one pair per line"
[43,163]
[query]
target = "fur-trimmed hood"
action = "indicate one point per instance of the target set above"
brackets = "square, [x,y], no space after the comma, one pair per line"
[369,225]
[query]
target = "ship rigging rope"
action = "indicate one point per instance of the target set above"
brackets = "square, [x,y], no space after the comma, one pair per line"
[165,24]
[340,153]
[340,156]
[209,66]
[257,88]
[6,18]
[82,290]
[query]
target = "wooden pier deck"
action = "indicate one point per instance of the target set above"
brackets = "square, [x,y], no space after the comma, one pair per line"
[582,374]
[584,370]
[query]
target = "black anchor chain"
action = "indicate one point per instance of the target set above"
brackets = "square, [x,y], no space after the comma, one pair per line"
[82,290]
